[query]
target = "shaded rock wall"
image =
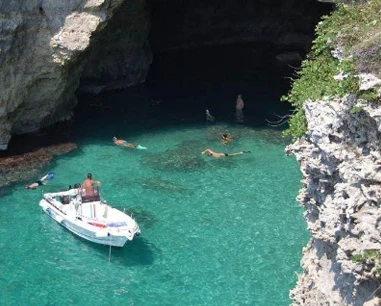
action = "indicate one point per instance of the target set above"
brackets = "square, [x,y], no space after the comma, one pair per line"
[120,55]
[191,23]
[43,51]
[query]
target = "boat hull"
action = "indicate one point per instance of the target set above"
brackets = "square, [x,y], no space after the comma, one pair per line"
[92,229]
[87,234]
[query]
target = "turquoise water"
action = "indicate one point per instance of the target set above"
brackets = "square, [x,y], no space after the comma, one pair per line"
[214,232]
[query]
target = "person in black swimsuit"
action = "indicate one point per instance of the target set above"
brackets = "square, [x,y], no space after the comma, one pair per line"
[41,181]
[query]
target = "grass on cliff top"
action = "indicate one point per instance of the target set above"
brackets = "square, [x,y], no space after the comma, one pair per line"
[355,31]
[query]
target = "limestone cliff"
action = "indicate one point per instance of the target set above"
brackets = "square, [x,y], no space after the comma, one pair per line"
[340,159]
[44,48]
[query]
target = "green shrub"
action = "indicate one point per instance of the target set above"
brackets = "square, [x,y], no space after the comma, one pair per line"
[369,95]
[355,109]
[297,125]
[352,29]
[369,257]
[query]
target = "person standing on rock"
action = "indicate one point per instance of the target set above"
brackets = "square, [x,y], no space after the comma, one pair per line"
[209,117]
[239,109]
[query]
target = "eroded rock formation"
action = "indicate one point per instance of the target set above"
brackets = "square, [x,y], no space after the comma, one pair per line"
[340,159]
[45,46]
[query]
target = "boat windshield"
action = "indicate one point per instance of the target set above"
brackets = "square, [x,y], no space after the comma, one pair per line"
[93,195]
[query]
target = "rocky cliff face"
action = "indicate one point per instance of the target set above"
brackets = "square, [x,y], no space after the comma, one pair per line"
[44,49]
[191,23]
[340,159]
[51,48]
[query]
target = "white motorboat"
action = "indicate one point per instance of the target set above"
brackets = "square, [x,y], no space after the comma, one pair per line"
[90,217]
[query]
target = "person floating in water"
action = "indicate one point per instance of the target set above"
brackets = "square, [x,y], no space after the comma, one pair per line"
[220,155]
[239,109]
[226,139]
[209,117]
[123,143]
[41,181]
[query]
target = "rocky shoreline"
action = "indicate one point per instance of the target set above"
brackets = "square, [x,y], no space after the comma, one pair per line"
[340,160]
[27,155]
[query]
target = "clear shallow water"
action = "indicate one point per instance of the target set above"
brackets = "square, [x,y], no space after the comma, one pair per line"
[214,232]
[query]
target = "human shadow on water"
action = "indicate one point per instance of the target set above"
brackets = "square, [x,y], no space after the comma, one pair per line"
[65,244]
[184,158]
[226,163]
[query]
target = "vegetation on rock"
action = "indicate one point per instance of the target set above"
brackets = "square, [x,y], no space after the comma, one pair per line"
[348,42]
[370,258]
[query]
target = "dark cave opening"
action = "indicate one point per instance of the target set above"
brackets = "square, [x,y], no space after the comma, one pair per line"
[205,53]
[189,81]
[190,23]
[196,46]
[182,84]
[202,54]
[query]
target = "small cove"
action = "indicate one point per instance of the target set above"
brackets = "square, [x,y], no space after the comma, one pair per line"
[214,232]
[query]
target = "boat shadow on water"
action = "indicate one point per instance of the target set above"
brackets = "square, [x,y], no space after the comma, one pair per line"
[93,225]
[138,252]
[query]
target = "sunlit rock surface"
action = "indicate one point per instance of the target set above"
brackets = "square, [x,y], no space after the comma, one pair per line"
[340,160]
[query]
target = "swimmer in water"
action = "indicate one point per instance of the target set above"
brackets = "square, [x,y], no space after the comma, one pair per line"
[41,181]
[226,139]
[124,143]
[211,153]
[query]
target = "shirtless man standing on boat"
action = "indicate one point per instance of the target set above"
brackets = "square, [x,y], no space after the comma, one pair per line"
[221,155]
[88,184]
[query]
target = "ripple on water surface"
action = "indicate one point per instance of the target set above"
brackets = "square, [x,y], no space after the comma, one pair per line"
[214,232]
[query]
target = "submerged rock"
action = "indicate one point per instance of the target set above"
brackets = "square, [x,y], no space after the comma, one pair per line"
[145,218]
[184,158]
[26,167]
[157,184]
